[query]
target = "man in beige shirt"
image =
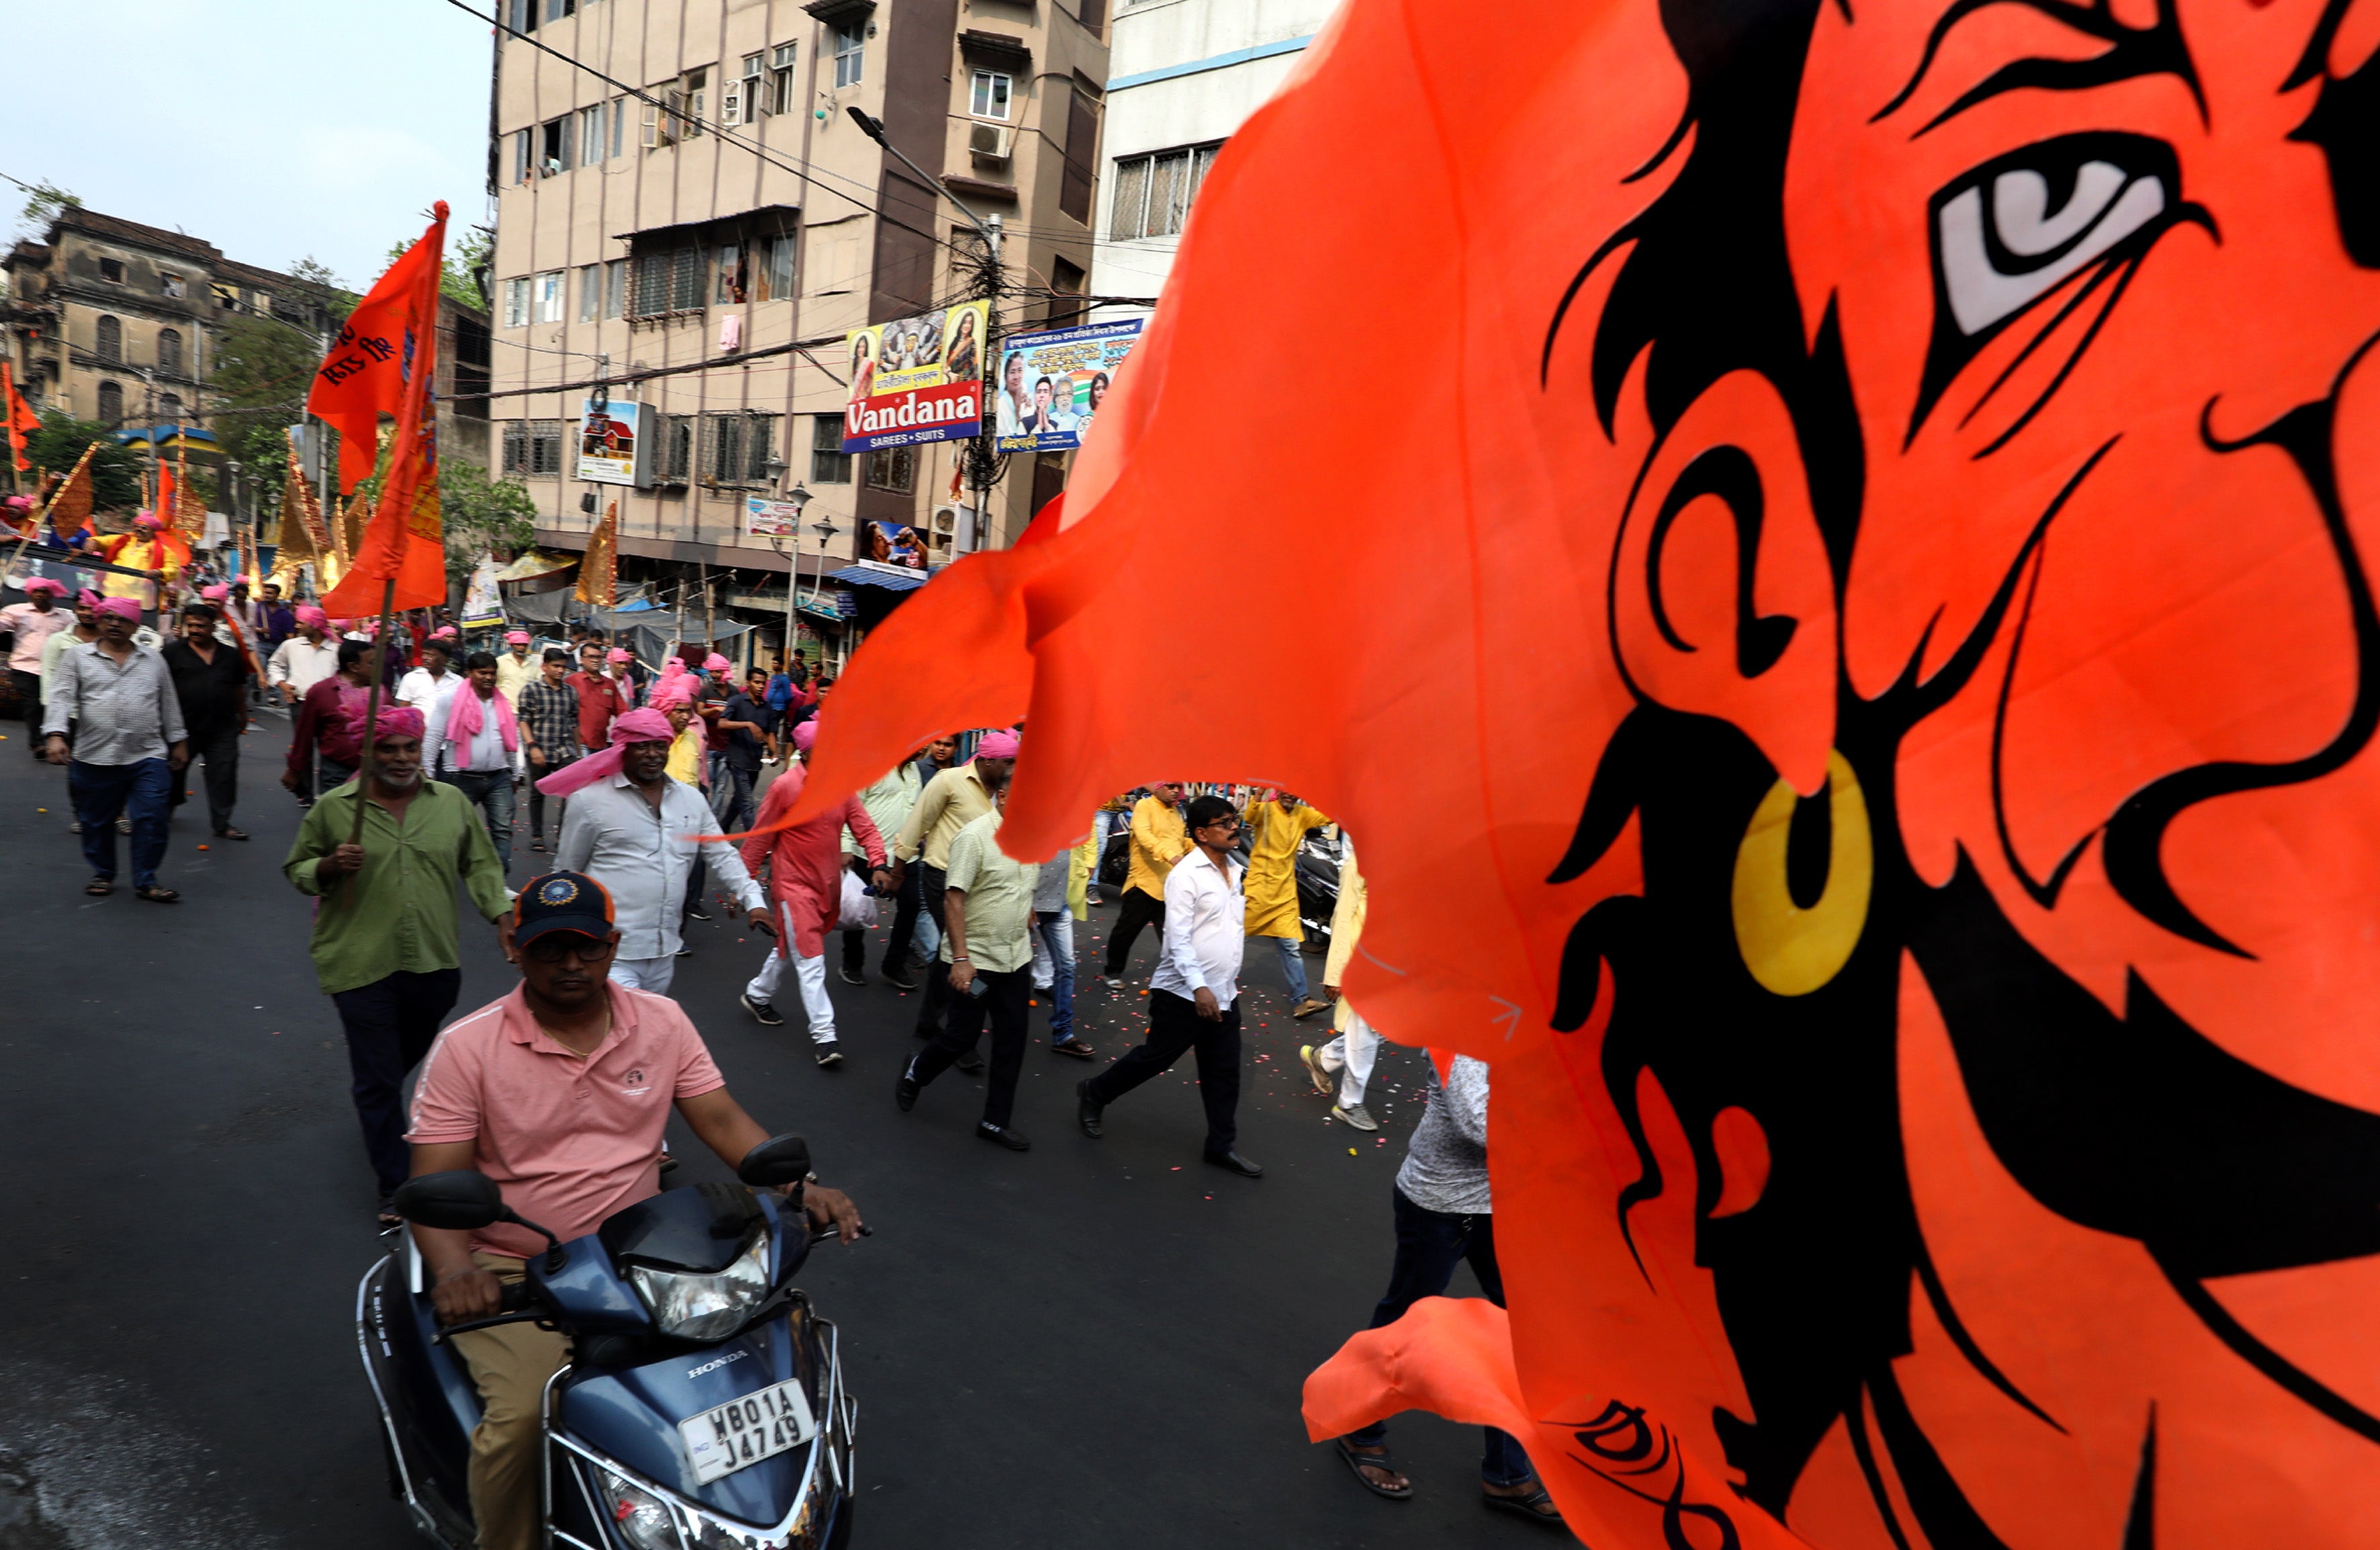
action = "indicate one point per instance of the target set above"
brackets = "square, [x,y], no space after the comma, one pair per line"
[988,953]
[950,802]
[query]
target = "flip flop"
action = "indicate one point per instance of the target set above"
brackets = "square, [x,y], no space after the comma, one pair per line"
[99,887]
[155,894]
[1528,1507]
[1383,1460]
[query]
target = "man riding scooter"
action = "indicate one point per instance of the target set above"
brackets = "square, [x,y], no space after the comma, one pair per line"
[558,1092]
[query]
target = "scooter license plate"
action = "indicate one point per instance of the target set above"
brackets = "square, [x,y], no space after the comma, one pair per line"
[742,1432]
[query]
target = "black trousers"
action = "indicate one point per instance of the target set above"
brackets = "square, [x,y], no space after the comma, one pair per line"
[854,950]
[390,1025]
[219,747]
[1004,1001]
[537,798]
[936,998]
[1174,1026]
[1134,910]
[904,918]
[28,694]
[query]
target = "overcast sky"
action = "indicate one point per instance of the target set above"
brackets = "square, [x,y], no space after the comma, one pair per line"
[270,128]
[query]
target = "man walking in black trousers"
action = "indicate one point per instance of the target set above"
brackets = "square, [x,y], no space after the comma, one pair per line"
[1158,842]
[950,802]
[1193,997]
[211,681]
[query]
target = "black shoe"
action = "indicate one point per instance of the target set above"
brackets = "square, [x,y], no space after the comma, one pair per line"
[905,1091]
[894,978]
[762,1013]
[1087,1110]
[829,1056]
[851,976]
[697,912]
[986,1130]
[668,1163]
[1237,1164]
[971,1063]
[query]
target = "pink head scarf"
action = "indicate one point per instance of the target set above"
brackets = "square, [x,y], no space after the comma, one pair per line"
[465,711]
[669,694]
[44,584]
[310,614]
[636,726]
[122,607]
[996,745]
[805,735]
[145,520]
[715,662]
[91,595]
[396,720]
[616,654]
[216,593]
[514,637]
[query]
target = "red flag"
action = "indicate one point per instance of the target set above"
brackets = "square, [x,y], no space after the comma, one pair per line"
[1848,650]
[22,421]
[404,542]
[365,374]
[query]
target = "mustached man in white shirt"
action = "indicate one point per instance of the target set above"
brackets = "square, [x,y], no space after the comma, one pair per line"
[428,689]
[1193,997]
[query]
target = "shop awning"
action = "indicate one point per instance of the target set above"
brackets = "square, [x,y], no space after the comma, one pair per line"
[891,578]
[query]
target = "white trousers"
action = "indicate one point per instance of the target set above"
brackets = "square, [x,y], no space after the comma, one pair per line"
[808,972]
[1351,1055]
[645,973]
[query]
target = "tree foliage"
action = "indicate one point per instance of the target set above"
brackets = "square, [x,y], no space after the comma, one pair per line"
[482,514]
[115,470]
[43,203]
[458,280]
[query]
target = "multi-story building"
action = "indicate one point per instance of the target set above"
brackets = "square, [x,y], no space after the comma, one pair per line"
[1185,74]
[725,227]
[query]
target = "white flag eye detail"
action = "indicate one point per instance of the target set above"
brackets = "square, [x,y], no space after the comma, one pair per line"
[1986,275]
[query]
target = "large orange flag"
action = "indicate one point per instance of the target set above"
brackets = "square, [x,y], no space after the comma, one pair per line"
[392,338]
[1829,585]
[22,419]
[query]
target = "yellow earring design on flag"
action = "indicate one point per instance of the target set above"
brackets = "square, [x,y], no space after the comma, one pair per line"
[1792,951]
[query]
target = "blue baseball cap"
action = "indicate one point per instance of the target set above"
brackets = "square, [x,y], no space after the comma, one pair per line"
[562,901]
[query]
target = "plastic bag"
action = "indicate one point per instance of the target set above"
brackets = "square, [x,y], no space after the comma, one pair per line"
[859,906]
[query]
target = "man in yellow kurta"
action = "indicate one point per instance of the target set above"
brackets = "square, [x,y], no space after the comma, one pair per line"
[144,548]
[1342,1068]
[1159,840]
[1275,825]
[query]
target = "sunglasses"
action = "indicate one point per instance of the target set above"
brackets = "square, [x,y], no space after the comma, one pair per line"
[556,946]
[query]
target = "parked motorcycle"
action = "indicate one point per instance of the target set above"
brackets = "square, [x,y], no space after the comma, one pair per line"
[1317,868]
[703,1407]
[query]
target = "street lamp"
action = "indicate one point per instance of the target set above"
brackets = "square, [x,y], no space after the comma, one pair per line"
[797,497]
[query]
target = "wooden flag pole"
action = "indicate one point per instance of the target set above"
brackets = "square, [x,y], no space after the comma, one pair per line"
[368,753]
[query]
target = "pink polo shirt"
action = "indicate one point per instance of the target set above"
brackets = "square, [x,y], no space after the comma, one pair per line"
[570,1139]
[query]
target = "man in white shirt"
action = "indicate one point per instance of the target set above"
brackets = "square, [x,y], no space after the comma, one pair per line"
[478,737]
[428,689]
[1193,997]
[306,658]
[630,827]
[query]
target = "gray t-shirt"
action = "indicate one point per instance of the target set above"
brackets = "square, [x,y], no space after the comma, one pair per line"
[1446,1165]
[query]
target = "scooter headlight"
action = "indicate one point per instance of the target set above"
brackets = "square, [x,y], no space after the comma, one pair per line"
[639,1515]
[706,1307]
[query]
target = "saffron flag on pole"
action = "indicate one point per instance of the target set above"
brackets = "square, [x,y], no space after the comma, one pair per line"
[598,568]
[69,503]
[1890,494]
[22,421]
[396,327]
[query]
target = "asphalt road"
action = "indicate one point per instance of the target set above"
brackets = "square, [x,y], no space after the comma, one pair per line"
[1092,1344]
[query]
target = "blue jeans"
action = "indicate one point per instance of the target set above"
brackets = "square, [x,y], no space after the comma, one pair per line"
[491,792]
[1429,1243]
[1055,930]
[103,792]
[1292,967]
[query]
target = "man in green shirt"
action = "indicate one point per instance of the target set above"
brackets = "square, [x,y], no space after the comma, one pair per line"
[386,937]
[987,944]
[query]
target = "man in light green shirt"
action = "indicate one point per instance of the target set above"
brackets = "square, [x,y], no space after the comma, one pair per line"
[386,936]
[987,944]
[888,803]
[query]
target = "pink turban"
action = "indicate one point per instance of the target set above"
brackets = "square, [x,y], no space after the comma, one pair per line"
[512,637]
[145,520]
[616,654]
[805,735]
[20,503]
[996,745]
[396,720]
[44,584]
[446,632]
[715,662]
[674,666]
[668,693]
[122,607]
[308,614]
[634,726]
[216,593]
[91,595]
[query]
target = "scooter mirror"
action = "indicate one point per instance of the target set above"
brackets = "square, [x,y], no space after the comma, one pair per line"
[462,1201]
[781,1160]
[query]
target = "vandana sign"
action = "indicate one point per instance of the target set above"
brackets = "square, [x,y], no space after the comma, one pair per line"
[916,380]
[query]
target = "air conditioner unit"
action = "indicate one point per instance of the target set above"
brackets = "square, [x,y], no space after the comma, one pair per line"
[990,142]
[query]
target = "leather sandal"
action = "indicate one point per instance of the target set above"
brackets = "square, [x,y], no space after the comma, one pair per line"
[1383,1460]
[1533,1507]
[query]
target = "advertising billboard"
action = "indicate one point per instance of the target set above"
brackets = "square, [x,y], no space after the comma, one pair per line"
[609,445]
[916,380]
[1051,384]
[767,519]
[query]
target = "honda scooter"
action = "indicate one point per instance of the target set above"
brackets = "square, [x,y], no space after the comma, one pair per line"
[703,1405]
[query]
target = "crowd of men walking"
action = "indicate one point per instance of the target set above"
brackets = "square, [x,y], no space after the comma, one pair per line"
[411,754]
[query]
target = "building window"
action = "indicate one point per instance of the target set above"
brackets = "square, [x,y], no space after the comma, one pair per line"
[667,282]
[590,292]
[553,147]
[850,54]
[171,285]
[111,403]
[830,464]
[169,351]
[1067,280]
[736,447]
[524,14]
[111,339]
[777,276]
[169,409]
[727,277]
[893,469]
[616,287]
[1153,193]
[516,303]
[1093,15]
[112,271]
[743,100]
[532,448]
[556,9]
[1081,158]
[591,135]
[619,122]
[780,78]
[692,114]
[990,97]
[547,289]
[523,143]
[677,449]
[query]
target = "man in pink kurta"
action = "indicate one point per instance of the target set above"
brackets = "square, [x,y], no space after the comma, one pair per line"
[804,863]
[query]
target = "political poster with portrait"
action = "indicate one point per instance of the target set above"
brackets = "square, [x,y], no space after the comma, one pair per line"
[1051,384]
[766,519]
[916,380]
[608,440]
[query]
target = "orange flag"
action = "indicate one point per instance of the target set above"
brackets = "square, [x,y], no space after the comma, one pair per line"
[599,567]
[22,419]
[1840,612]
[397,328]
[69,504]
